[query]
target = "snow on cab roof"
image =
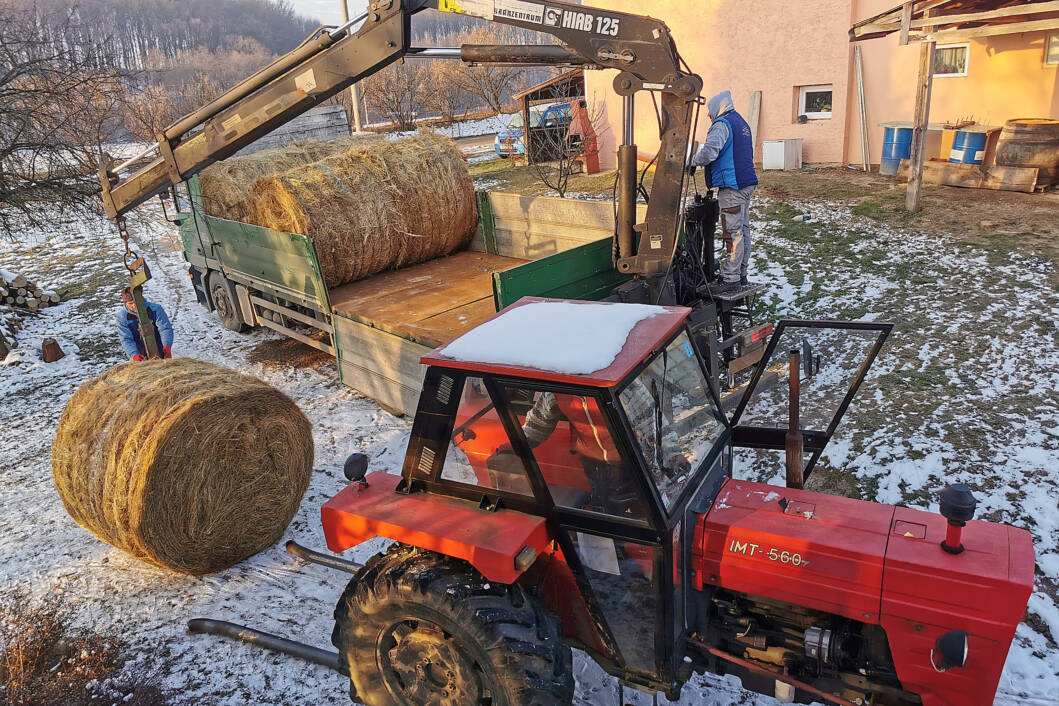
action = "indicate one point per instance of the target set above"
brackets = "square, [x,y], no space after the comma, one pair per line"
[567,338]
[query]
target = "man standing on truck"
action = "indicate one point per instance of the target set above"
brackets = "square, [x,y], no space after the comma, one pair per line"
[129,328]
[728,156]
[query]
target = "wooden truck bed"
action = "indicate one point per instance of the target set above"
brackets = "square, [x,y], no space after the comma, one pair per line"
[429,304]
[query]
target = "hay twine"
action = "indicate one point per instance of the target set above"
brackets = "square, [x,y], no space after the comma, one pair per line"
[182,463]
[369,205]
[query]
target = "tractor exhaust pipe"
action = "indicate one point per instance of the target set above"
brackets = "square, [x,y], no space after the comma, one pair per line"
[295,549]
[324,658]
[795,444]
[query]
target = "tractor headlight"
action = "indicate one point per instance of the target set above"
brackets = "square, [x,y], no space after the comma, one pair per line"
[950,650]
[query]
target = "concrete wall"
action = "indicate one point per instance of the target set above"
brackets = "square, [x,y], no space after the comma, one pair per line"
[774,47]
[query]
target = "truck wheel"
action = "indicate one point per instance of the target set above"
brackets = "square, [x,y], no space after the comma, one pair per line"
[224,302]
[415,627]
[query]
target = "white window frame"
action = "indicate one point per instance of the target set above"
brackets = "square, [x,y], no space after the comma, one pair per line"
[966,46]
[1051,47]
[802,90]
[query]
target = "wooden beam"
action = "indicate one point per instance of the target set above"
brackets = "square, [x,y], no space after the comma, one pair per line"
[906,22]
[924,86]
[1016,11]
[865,155]
[976,176]
[754,116]
[951,35]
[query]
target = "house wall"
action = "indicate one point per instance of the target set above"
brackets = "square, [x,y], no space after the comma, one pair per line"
[775,46]
[743,47]
[1006,78]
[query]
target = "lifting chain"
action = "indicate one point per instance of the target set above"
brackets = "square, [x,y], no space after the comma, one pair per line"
[139,274]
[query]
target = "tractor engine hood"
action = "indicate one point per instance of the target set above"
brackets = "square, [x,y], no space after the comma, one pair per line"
[876,564]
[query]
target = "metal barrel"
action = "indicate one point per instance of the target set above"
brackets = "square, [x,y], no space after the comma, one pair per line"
[968,147]
[897,145]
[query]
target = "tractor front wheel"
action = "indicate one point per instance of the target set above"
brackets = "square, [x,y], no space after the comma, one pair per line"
[415,627]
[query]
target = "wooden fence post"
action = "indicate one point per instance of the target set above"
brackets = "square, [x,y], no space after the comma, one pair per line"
[919,131]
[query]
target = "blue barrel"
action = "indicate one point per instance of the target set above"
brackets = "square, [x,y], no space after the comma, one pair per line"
[968,147]
[897,145]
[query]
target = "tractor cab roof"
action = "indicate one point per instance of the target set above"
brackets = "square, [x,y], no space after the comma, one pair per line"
[578,342]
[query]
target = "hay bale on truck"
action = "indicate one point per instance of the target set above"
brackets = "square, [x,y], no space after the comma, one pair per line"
[369,204]
[227,185]
[182,463]
[375,206]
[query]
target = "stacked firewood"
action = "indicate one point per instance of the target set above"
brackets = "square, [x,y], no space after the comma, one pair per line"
[16,290]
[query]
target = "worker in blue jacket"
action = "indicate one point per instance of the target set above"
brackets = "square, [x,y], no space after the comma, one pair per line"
[129,328]
[728,156]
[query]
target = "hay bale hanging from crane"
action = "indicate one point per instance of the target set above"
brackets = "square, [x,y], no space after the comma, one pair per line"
[182,463]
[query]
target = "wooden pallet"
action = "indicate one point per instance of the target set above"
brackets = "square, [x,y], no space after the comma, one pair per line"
[975,176]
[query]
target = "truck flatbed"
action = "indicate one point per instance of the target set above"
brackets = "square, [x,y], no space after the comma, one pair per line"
[431,303]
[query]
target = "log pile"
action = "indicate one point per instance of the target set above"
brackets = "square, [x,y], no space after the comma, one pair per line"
[17,290]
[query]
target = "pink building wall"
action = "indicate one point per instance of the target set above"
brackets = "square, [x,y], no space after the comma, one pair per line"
[775,46]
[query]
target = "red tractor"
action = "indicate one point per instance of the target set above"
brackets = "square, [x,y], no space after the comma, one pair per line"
[569,483]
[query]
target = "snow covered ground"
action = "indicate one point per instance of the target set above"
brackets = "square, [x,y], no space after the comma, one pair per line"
[965,390]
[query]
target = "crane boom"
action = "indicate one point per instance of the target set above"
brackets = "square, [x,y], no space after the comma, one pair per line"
[332,59]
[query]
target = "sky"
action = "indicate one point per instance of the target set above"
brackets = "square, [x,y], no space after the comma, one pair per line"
[327,11]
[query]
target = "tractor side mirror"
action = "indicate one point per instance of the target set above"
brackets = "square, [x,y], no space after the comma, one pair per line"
[810,362]
[356,469]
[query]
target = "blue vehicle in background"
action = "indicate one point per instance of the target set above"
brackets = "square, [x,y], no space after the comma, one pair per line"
[510,141]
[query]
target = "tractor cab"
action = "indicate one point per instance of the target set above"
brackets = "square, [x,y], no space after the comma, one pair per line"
[571,447]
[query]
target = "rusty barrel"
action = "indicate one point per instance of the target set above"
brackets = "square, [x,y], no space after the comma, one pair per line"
[1031,142]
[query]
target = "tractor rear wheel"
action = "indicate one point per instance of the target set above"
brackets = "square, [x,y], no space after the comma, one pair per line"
[415,627]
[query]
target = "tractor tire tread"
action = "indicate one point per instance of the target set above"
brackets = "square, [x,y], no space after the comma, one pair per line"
[524,643]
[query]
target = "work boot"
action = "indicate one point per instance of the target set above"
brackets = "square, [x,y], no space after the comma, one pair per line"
[743,282]
[725,287]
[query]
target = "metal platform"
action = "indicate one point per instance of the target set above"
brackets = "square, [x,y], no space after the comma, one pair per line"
[738,293]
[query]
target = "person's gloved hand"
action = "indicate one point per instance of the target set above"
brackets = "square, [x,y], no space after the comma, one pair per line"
[137,358]
[691,169]
[167,352]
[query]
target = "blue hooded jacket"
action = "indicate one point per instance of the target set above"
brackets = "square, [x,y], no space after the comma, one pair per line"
[129,329]
[729,149]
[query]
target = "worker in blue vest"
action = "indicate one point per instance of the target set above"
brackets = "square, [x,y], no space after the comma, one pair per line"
[728,157]
[129,328]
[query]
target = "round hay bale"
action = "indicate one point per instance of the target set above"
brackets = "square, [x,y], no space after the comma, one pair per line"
[181,463]
[226,186]
[375,206]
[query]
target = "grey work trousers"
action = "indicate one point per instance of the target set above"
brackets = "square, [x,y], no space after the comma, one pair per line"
[735,228]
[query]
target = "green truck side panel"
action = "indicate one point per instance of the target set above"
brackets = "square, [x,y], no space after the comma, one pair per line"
[261,254]
[585,272]
[486,224]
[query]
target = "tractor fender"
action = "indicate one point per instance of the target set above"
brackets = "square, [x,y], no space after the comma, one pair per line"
[488,540]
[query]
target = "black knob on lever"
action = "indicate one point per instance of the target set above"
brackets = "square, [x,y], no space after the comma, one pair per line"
[957,506]
[356,468]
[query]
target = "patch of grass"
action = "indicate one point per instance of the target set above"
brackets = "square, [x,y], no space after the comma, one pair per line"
[45,661]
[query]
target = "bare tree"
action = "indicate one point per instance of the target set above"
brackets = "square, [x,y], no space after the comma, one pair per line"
[56,108]
[491,85]
[567,133]
[442,93]
[396,93]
